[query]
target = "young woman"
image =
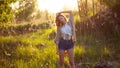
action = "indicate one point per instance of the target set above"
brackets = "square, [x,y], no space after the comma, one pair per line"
[65,37]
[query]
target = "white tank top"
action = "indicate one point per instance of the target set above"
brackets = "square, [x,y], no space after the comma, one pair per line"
[66,30]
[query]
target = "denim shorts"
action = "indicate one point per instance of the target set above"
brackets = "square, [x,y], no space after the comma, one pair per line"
[65,44]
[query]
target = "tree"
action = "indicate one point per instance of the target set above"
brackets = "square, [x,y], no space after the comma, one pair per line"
[26,8]
[6,10]
[114,5]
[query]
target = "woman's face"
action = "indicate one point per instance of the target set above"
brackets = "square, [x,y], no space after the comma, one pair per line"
[62,19]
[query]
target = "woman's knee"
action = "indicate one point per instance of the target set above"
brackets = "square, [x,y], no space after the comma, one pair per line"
[61,63]
[61,57]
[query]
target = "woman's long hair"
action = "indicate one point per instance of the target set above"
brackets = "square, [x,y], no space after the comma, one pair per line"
[58,23]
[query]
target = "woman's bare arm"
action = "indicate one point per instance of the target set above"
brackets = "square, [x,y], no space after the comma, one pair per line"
[71,22]
[67,11]
[71,18]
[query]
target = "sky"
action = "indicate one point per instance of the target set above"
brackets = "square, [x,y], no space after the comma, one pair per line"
[56,5]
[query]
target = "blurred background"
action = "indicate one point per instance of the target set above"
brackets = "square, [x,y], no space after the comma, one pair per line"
[27,32]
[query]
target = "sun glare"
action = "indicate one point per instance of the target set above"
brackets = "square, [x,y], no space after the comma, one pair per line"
[57,5]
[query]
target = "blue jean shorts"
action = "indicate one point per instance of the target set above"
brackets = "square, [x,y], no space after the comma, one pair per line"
[65,44]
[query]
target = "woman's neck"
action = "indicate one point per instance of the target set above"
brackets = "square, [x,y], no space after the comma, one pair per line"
[64,22]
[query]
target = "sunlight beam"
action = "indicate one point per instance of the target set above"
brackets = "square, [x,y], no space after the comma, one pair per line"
[56,5]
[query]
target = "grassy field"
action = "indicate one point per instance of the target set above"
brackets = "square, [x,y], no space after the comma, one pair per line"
[37,50]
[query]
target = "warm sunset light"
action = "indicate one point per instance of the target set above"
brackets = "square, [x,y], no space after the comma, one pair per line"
[56,5]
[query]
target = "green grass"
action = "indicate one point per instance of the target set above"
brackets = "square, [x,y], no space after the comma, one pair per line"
[34,50]
[37,50]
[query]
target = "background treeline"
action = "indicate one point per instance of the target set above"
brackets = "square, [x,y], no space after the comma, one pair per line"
[17,11]
[100,18]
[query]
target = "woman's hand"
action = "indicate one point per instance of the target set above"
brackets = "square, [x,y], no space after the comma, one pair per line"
[73,39]
[67,11]
[58,13]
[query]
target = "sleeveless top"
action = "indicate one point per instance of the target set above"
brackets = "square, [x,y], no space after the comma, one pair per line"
[66,31]
[69,28]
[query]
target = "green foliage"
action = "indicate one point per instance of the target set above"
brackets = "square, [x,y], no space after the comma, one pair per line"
[5,10]
[17,29]
[33,50]
[26,8]
[113,4]
[77,19]
[88,8]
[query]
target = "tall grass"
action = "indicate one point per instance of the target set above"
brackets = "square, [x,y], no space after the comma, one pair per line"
[34,50]
[37,50]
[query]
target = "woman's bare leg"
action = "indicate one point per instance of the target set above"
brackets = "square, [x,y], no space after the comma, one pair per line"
[71,57]
[61,57]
